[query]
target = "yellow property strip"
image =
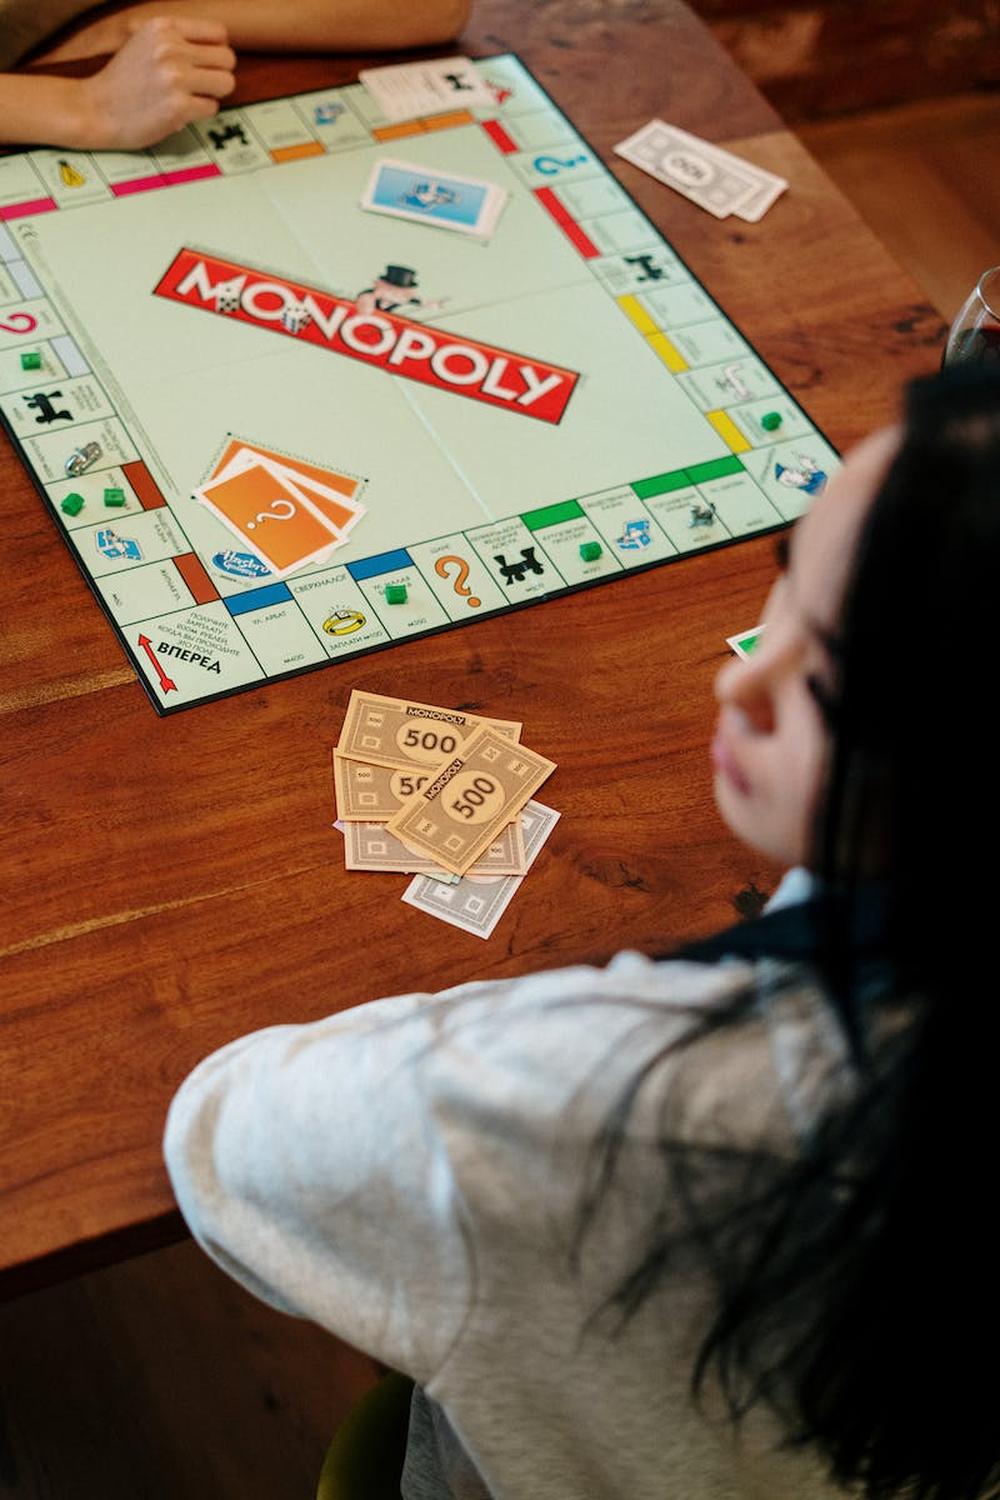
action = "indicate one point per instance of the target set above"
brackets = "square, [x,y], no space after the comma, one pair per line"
[637,314]
[728,431]
[668,352]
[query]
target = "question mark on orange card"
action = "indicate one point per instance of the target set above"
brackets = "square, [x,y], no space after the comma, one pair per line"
[270,515]
[461,587]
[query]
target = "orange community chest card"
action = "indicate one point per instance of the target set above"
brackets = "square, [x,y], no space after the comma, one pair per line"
[337,511]
[321,481]
[268,513]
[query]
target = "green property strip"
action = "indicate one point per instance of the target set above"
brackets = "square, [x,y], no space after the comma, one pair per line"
[716,468]
[552,515]
[661,484]
[680,479]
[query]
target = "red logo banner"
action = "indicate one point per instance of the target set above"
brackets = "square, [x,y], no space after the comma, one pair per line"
[445,360]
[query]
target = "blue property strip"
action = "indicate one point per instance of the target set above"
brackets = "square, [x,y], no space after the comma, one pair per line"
[242,604]
[386,562]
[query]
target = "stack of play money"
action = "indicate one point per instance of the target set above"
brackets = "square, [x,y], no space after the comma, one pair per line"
[445,796]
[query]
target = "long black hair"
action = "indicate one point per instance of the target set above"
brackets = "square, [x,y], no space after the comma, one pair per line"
[857,1281]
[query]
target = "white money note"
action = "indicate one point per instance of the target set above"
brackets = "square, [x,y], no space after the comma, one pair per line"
[370,846]
[475,904]
[757,205]
[397,732]
[456,817]
[769,185]
[716,180]
[665,154]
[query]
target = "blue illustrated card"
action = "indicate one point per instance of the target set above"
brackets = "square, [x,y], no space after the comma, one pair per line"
[408,191]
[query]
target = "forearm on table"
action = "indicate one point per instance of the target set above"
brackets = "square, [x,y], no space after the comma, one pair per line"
[321,25]
[41,108]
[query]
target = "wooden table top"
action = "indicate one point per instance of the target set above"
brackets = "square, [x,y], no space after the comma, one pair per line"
[168,884]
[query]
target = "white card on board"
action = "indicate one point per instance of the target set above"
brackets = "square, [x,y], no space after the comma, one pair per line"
[403,91]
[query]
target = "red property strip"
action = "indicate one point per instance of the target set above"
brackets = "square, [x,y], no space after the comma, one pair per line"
[551,205]
[580,239]
[144,485]
[441,358]
[499,137]
[201,587]
[570,228]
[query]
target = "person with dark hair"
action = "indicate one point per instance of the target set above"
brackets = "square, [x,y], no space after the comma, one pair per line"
[711,1226]
[172,62]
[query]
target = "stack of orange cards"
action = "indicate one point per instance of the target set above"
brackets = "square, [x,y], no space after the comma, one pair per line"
[287,512]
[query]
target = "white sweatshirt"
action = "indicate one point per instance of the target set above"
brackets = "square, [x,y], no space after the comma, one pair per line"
[407,1174]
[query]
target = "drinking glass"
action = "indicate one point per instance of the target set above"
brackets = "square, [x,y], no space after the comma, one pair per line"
[975,333]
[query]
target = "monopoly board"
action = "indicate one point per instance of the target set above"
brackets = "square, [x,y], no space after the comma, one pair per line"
[510,416]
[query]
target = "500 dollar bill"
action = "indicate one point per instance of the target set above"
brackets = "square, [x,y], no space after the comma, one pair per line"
[373,794]
[458,815]
[395,732]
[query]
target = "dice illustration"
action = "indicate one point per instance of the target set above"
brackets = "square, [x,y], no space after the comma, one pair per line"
[295,318]
[227,294]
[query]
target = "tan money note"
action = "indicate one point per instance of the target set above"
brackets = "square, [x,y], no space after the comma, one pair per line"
[367,846]
[395,732]
[457,816]
[370,846]
[372,794]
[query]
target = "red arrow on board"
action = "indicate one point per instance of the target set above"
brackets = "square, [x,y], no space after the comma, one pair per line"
[165,682]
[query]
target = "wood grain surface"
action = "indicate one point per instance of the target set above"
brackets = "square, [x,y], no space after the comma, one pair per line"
[168,884]
[816,58]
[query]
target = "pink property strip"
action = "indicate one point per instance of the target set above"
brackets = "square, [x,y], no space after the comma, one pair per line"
[192,174]
[21,210]
[138,185]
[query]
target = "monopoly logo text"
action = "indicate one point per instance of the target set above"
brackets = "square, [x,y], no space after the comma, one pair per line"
[433,356]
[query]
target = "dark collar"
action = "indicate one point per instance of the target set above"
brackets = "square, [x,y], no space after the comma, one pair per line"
[797,932]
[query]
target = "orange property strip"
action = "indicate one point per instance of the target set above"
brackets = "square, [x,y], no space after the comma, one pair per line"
[395,132]
[448,121]
[295,153]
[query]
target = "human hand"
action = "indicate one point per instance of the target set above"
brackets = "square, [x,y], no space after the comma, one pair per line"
[167,73]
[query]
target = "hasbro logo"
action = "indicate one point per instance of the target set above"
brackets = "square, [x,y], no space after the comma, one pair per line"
[240,564]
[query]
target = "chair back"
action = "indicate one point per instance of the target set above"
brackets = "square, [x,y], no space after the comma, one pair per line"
[365,1459]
